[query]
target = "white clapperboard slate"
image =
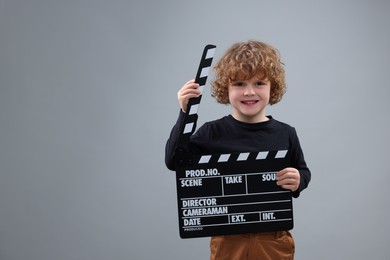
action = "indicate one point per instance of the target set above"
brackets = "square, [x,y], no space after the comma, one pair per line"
[225,194]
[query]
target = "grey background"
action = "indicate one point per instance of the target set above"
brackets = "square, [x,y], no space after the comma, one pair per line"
[88,98]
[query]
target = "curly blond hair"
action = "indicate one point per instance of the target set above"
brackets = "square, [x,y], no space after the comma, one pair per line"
[246,60]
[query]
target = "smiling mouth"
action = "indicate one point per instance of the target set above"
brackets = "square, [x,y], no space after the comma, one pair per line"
[249,102]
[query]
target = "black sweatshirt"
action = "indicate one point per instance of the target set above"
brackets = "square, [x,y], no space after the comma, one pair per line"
[227,135]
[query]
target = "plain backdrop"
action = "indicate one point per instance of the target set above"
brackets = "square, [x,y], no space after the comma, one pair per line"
[88,98]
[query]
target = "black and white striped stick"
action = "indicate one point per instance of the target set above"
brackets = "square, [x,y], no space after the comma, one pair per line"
[189,123]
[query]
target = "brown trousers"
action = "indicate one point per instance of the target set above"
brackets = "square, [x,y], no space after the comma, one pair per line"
[259,246]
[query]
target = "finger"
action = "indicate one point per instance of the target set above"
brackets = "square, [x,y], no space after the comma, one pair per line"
[191,86]
[288,185]
[189,93]
[288,173]
[283,175]
[188,88]
[285,170]
[191,83]
[280,173]
[287,181]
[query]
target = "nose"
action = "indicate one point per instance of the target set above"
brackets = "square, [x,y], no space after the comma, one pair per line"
[249,90]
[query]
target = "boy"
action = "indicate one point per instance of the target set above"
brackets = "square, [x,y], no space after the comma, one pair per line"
[248,77]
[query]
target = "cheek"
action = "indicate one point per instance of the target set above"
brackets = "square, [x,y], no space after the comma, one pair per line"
[229,95]
[232,96]
[266,94]
[229,99]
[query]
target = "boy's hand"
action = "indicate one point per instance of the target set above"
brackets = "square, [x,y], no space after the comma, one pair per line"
[189,90]
[288,178]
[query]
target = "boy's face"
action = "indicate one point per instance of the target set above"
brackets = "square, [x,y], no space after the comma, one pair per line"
[249,99]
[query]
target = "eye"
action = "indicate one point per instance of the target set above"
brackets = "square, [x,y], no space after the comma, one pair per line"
[260,83]
[238,84]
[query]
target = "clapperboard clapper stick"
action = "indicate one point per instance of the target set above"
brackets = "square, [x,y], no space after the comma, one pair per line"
[224,194]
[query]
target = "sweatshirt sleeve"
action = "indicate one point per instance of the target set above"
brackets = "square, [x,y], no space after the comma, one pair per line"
[299,163]
[171,144]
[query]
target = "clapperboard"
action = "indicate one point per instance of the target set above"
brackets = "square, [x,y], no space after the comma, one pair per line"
[233,193]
